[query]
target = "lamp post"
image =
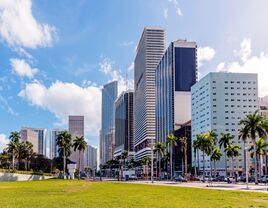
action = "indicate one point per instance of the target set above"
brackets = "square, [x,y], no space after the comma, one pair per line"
[246,158]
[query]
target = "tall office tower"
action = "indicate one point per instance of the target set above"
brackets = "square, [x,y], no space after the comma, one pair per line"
[219,102]
[149,52]
[37,136]
[263,105]
[53,143]
[100,147]
[124,124]
[176,73]
[76,129]
[109,95]
[91,157]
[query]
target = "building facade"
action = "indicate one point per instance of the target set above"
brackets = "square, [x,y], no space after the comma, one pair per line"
[109,95]
[53,148]
[219,102]
[176,73]
[37,136]
[91,157]
[76,129]
[149,52]
[124,124]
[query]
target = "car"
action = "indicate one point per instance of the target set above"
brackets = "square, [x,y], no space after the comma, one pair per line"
[193,178]
[133,177]
[264,179]
[179,178]
[218,178]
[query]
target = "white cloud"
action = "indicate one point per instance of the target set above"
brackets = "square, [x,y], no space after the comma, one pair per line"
[4,104]
[250,64]
[3,142]
[175,4]
[205,54]
[64,99]
[166,13]
[127,43]
[22,68]
[18,27]
[131,67]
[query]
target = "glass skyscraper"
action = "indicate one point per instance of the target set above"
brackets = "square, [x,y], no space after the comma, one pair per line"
[149,52]
[124,124]
[109,95]
[175,74]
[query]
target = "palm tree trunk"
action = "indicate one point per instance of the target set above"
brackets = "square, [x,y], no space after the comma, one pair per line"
[210,172]
[79,169]
[233,166]
[203,165]
[260,162]
[185,160]
[13,159]
[225,165]
[255,162]
[195,159]
[215,168]
[159,167]
[64,163]
[171,161]
[25,164]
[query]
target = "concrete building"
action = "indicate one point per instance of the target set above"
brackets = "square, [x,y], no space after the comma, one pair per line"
[176,73]
[53,143]
[150,50]
[219,102]
[76,129]
[37,136]
[124,124]
[100,147]
[109,95]
[91,157]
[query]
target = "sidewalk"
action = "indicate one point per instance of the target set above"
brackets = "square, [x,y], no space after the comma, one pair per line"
[215,185]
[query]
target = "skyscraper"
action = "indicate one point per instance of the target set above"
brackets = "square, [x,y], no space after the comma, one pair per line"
[219,102]
[76,129]
[175,74]
[109,95]
[100,147]
[37,136]
[91,157]
[124,124]
[53,143]
[149,52]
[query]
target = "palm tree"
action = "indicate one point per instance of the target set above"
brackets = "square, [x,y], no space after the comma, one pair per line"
[79,144]
[64,142]
[212,137]
[184,143]
[172,141]
[224,141]
[195,147]
[160,148]
[145,161]
[25,152]
[124,156]
[254,126]
[215,156]
[232,151]
[262,150]
[13,146]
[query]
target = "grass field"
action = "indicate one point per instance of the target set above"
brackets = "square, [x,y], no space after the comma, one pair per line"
[59,193]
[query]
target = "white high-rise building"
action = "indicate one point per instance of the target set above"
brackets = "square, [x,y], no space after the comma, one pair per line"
[150,50]
[53,148]
[219,102]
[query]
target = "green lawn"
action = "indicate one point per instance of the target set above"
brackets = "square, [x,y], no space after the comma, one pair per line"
[59,193]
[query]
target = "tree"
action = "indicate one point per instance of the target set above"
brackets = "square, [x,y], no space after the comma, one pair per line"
[79,144]
[212,138]
[64,142]
[25,152]
[184,143]
[205,143]
[224,141]
[124,156]
[171,140]
[195,147]
[159,149]
[215,156]
[13,146]
[261,150]
[254,126]
[145,161]
[231,152]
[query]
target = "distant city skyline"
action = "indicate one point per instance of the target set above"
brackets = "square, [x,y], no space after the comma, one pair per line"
[68,51]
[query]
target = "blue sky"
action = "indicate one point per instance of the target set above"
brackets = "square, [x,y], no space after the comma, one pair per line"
[56,55]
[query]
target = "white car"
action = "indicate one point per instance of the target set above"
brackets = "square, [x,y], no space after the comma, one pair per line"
[133,177]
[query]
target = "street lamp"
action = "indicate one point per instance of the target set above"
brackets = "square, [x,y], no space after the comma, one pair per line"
[246,158]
